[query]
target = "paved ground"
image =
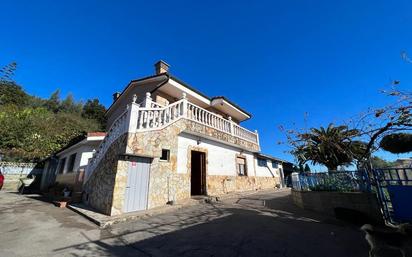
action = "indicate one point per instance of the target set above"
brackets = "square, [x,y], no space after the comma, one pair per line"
[257,225]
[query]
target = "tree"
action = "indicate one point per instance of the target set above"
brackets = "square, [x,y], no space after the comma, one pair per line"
[10,92]
[7,72]
[70,106]
[307,168]
[331,146]
[397,143]
[376,124]
[380,163]
[92,109]
[53,103]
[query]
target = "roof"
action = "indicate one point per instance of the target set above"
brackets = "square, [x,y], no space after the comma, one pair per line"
[79,139]
[96,134]
[266,156]
[232,103]
[135,81]
[169,76]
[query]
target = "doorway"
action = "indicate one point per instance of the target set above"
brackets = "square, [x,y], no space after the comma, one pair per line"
[198,173]
[137,187]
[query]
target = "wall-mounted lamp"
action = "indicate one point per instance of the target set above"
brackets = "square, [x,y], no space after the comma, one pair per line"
[198,141]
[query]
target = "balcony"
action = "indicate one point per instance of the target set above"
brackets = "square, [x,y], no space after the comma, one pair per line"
[157,117]
[150,116]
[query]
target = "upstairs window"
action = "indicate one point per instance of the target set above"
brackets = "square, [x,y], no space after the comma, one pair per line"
[165,155]
[241,166]
[275,165]
[261,162]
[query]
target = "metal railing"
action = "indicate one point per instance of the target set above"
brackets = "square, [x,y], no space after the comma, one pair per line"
[341,181]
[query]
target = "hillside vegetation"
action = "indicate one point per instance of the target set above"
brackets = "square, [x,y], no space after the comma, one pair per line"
[32,128]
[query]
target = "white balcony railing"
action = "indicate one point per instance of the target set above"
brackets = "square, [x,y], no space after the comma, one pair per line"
[149,116]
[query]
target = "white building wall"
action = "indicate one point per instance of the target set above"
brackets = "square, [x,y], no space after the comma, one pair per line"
[221,157]
[83,153]
[268,170]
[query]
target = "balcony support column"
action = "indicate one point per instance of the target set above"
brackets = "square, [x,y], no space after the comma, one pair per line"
[184,105]
[147,101]
[132,116]
[232,132]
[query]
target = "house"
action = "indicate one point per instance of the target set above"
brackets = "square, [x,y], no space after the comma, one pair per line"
[166,142]
[67,166]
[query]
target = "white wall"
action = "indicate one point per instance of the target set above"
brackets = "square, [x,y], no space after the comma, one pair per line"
[83,153]
[221,157]
[267,171]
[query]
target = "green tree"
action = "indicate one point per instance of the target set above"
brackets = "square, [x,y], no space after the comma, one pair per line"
[381,163]
[92,109]
[70,106]
[10,92]
[53,103]
[397,143]
[331,146]
[307,168]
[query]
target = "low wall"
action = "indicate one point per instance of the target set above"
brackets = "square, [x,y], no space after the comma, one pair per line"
[327,202]
[13,171]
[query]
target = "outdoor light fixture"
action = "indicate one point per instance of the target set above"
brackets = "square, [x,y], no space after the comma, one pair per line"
[198,141]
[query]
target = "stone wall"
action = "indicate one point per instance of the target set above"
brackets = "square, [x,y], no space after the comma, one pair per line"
[100,187]
[220,185]
[200,129]
[165,183]
[106,187]
[326,202]
[14,171]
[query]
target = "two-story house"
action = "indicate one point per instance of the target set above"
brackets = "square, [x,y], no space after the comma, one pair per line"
[166,141]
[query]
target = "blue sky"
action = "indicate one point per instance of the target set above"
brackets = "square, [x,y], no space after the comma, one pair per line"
[276,59]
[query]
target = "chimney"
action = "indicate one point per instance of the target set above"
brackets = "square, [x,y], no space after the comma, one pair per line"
[161,67]
[115,96]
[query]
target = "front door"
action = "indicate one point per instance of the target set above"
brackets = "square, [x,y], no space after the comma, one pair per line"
[198,173]
[137,188]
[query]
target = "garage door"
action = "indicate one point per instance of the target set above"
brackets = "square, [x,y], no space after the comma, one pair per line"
[137,189]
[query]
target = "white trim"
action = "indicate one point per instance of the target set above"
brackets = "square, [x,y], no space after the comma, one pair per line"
[188,91]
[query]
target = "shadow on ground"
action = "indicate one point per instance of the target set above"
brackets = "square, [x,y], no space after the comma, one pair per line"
[260,225]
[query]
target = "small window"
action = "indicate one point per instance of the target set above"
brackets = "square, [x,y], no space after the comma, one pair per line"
[241,166]
[261,162]
[165,155]
[61,165]
[275,165]
[72,159]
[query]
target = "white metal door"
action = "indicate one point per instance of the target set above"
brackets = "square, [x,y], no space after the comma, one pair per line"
[137,189]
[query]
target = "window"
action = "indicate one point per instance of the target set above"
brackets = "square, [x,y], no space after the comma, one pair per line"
[275,165]
[61,165]
[241,166]
[165,155]
[72,159]
[261,162]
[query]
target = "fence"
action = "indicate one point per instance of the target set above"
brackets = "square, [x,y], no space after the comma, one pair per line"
[341,181]
[394,190]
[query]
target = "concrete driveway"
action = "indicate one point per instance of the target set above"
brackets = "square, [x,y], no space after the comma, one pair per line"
[265,224]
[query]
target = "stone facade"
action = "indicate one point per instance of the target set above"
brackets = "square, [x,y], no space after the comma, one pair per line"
[200,129]
[165,183]
[101,186]
[105,189]
[220,185]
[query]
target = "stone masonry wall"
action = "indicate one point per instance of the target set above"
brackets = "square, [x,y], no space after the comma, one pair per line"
[100,188]
[165,183]
[220,185]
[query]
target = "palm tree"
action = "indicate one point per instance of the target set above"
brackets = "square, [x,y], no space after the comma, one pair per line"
[331,146]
